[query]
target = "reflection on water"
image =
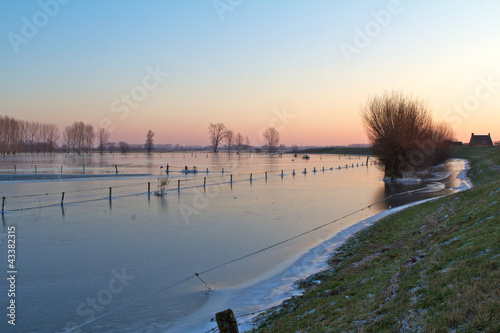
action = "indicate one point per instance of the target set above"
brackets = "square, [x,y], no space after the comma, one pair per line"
[68,252]
[442,180]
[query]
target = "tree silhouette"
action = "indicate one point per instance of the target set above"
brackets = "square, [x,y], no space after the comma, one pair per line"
[403,135]
[239,142]
[272,137]
[229,139]
[102,139]
[216,133]
[149,141]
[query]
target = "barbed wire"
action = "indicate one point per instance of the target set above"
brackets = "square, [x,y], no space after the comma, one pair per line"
[173,188]
[228,262]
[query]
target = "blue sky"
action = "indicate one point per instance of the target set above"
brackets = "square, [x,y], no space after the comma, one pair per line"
[261,60]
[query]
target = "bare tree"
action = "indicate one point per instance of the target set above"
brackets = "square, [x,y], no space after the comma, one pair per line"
[68,138]
[44,135]
[102,139]
[111,147]
[32,132]
[149,141]
[403,135]
[78,134]
[23,135]
[89,137]
[216,133]
[239,142]
[123,146]
[16,135]
[229,139]
[52,137]
[272,137]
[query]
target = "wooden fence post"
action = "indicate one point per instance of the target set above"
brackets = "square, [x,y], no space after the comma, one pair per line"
[226,322]
[3,204]
[62,199]
[110,193]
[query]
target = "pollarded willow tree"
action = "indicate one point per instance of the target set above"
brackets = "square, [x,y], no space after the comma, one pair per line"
[403,134]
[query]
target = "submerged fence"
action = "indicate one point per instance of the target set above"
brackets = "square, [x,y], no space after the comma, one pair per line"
[162,185]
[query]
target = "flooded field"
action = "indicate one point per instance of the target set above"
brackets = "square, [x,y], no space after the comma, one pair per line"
[115,258]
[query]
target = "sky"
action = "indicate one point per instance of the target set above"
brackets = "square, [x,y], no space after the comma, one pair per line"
[303,67]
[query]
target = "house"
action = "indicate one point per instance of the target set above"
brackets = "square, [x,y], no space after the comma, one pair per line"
[480,140]
[455,143]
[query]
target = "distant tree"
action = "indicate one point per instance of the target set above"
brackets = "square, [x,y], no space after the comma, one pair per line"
[229,139]
[52,137]
[123,146]
[247,143]
[68,138]
[23,135]
[497,143]
[44,135]
[32,134]
[216,133]
[272,137]
[111,146]
[102,139]
[239,142]
[403,135]
[149,141]
[295,149]
[89,137]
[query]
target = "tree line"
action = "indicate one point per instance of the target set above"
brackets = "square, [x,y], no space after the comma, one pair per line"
[21,136]
[218,134]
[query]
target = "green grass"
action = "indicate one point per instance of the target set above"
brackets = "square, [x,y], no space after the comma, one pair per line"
[434,267]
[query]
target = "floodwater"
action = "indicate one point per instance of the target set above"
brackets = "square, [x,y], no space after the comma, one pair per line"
[128,264]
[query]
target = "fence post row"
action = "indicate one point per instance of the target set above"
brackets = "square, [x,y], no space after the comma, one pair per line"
[204,178]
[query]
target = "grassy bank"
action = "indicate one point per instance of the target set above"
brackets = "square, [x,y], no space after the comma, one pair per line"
[434,267]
